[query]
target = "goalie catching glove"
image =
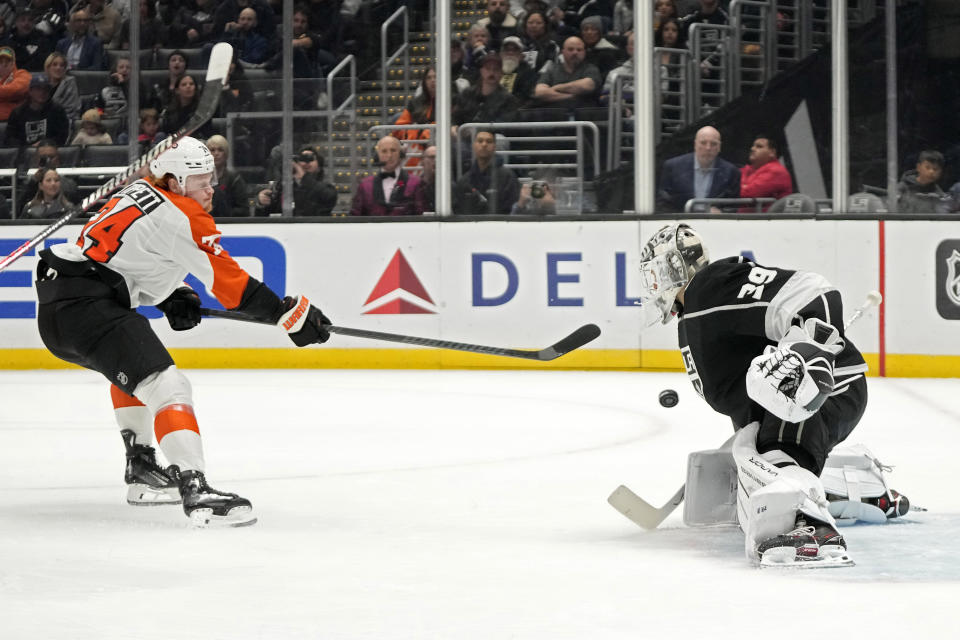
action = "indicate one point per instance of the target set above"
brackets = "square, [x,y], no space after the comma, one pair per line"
[303,322]
[794,379]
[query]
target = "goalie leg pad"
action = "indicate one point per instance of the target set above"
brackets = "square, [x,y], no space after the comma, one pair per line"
[770,496]
[854,481]
[711,489]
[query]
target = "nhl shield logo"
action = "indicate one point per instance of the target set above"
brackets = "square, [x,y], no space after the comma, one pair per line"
[952,282]
[948,279]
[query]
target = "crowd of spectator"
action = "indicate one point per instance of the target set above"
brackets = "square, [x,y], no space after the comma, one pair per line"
[552,57]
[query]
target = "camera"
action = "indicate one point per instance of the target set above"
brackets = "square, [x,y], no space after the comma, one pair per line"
[538,189]
[305,156]
[43,161]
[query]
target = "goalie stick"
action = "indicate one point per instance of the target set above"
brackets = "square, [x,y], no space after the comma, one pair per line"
[575,340]
[645,514]
[217,69]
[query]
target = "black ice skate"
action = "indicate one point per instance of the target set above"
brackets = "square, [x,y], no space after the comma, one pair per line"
[205,506]
[147,483]
[808,546]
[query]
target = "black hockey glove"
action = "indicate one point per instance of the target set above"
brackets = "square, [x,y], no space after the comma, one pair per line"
[303,322]
[182,309]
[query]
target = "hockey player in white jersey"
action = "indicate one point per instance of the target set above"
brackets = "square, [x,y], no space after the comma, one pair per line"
[766,347]
[136,251]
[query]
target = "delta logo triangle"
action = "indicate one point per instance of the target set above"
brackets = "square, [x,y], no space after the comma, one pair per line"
[399,291]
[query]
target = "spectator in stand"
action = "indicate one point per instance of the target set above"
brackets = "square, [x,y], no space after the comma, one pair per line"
[486,188]
[499,22]
[519,78]
[662,10]
[31,45]
[236,94]
[600,52]
[104,19]
[536,199]
[478,45]
[540,47]
[622,17]
[181,107]
[91,130]
[709,12]
[311,195]
[457,71]
[625,69]
[227,14]
[670,36]
[487,100]
[420,110]
[83,51]
[49,201]
[571,83]
[230,192]
[392,191]
[701,174]
[153,32]
[252,48]
[918,189]
[112,99]
[326,20]
[160,93]
[764,176]
[192,24]
[14,83]
[561,24]
[48,155]
[37,118]
[429,177]
[149,134]
[310,63]
[574,11]
[64,86]
[50,16]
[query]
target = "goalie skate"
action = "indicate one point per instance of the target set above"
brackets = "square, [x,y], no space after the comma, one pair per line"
[147,483]
[806,547]
[208,507]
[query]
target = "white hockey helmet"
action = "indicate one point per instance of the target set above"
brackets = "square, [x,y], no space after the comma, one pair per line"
[669,260]
[187,157]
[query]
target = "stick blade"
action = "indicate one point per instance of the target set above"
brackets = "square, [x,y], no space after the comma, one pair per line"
[219,64]
[639,511]
[575,340]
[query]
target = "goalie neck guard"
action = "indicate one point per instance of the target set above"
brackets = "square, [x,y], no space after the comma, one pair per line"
[187,157]
[669,260]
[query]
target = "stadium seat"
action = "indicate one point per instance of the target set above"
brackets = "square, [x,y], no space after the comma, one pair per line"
[105,155]
[794,203]
[90,82]
[69,157]
[864,202]
[196,58]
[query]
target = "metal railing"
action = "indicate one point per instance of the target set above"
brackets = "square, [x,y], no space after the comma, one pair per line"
[710,73]
[577,154]
[386,61]
[753,44]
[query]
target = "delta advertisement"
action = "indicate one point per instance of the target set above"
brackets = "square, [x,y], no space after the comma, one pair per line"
[525,285]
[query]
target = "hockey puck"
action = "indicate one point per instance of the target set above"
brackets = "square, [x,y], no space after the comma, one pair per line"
[669,398]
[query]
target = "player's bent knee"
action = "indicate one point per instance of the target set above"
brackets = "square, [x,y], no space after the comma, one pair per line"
[164,388]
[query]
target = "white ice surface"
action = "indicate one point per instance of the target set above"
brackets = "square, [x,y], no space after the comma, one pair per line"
[455,504]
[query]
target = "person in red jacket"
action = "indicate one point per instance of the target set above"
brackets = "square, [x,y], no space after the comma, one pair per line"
[14,83]
[764,176]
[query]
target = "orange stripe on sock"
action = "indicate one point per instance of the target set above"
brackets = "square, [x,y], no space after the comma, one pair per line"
[121,399]
[175,417]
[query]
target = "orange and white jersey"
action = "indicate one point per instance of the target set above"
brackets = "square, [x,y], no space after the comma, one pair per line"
[153,238]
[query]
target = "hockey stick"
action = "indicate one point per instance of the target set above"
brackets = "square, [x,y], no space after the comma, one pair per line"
[217,69]
[645,514]
[575,340]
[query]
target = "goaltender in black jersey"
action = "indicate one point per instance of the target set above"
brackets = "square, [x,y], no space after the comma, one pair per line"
[765,346]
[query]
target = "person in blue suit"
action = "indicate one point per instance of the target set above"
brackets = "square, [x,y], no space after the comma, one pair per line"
[700,174]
